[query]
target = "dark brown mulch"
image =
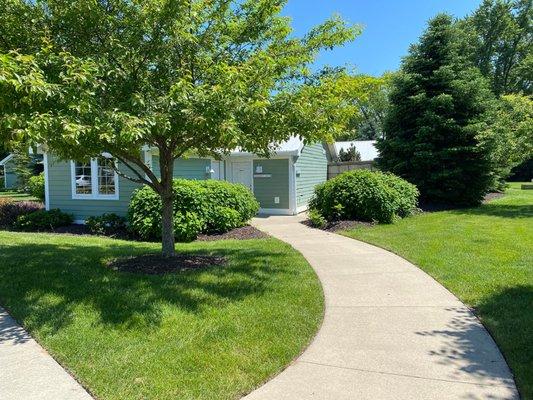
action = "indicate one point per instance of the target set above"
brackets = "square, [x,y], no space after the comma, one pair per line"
[243,233]
[156,264]
[344,225]
[336,226]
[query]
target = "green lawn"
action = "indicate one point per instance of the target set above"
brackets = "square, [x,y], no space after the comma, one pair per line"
[485,256]
[17,196]
[215,334]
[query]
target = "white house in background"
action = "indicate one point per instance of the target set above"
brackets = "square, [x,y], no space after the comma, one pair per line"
[367,148]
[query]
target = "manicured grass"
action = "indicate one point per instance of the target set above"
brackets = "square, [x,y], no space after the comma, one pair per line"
[212,334]
[17,196]
[483,255]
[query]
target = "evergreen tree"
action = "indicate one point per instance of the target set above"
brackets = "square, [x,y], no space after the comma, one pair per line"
[437,104]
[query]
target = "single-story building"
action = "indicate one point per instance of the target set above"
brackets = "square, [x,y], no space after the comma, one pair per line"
[283,184]
[7,172]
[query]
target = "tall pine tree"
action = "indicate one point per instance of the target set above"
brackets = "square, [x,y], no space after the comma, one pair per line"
[437,102]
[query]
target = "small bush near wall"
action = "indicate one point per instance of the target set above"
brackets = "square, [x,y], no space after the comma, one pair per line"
[365,196]
[43,220]
[10,210]
[202,206]
[107,224]
[36,186]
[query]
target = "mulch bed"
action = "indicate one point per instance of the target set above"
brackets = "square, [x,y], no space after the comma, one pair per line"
[336,226]
[244,233]
[156,264]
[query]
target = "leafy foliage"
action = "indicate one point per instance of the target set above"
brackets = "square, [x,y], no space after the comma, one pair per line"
[317,220]
[108,224]
[437,107]
[36,186]
[365,196]
[43,220]
[187,226]
[351,154]
[508,135]
[224,219]
[370,98]
[10,210]
[501,33]
[206,203]
[195,76]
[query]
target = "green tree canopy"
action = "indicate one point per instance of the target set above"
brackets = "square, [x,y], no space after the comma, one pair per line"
[369,96]
[437,105]
[184,76]
[508,135]
[502,44]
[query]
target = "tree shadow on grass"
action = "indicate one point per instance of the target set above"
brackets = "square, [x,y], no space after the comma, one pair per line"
[498,210]
[44,285]
[508,315]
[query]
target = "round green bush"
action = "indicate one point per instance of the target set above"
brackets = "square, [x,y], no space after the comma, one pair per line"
[365,196]
[223,219]
[187,226]
[36,186]
[208,200]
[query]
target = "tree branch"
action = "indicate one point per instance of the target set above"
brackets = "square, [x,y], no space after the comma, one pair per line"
[140,179]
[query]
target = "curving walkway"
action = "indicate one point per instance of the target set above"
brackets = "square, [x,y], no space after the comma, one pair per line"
[390,331]
[28,372]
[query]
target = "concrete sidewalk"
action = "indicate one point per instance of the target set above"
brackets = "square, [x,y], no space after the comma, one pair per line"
[27,372]
[390,331]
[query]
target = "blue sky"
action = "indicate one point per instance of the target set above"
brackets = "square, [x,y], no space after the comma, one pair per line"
[390,26]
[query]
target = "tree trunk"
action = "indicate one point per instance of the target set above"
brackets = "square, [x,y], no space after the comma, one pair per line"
[167,199]
[167,226]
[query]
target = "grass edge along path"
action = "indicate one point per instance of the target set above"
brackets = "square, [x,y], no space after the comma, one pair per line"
[484,256]
[217,333]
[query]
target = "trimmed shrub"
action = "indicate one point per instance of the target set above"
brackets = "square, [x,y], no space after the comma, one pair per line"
[223,219]
[36,186]
[317,219]
[365,196]
[10,210]
[209,201]
[408,199]
[106,224]
[43,220]
[187,226]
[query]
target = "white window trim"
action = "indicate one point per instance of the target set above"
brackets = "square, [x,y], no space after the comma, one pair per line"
[95,195]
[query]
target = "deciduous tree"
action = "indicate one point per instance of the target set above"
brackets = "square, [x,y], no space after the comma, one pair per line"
[183,76]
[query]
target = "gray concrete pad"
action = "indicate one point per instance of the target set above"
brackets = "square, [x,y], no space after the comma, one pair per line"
[390,331]
[28,372]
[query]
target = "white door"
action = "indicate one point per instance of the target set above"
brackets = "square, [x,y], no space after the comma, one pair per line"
[241,172]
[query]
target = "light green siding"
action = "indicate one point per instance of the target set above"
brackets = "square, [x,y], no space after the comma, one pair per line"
[276,185]
[60,193]
[188,168]
[10,176]
[311,169]
[60,187]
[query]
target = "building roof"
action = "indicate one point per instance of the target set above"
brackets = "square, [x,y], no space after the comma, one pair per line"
[366,148]
[6,159]
[291,147]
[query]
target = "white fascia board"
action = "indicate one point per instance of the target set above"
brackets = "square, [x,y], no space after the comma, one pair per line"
[7,158]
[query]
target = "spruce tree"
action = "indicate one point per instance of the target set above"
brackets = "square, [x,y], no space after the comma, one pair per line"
[437,104]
